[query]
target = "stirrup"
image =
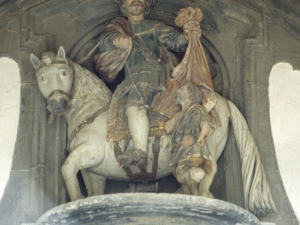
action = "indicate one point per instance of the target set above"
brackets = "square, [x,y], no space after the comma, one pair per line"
[133,157]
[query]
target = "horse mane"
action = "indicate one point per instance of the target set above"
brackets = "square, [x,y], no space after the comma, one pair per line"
[89,88]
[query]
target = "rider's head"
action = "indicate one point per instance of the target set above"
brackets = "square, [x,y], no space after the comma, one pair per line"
[134,7]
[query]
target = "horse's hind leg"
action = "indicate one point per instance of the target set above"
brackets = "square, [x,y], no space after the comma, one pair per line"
[95,184]
[206,182]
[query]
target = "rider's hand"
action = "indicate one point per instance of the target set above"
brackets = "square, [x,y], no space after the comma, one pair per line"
[122,41]
[190,27]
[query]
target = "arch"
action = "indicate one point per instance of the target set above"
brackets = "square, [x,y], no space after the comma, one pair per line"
[219,61]
[10,86]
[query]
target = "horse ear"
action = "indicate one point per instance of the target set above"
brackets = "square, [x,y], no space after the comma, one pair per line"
[35,61]
[61,54]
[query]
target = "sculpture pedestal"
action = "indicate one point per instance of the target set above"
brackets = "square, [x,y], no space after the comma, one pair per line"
[144,208]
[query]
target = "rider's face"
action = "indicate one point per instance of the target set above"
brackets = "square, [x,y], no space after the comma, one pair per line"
[135,7]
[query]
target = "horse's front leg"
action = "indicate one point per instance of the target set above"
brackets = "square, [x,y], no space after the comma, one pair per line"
[83,156]
[206,182]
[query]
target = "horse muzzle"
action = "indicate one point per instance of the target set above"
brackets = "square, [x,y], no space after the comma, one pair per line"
[58,102]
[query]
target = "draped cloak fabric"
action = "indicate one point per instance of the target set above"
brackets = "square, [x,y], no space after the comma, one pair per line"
[190,124]
[193,68]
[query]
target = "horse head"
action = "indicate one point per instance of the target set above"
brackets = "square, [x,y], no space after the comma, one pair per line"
[55,80]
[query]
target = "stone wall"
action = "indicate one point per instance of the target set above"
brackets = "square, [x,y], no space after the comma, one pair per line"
[245,38]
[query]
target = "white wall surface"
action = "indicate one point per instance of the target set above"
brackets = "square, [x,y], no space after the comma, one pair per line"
[284,95]
[9,116]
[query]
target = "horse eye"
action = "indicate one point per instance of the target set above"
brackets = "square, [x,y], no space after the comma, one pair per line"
[42,78]
[64,73]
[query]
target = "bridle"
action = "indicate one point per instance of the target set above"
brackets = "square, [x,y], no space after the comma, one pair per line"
[65,95]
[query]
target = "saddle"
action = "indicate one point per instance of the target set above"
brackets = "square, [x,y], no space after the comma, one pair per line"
[118,130]
[118,126]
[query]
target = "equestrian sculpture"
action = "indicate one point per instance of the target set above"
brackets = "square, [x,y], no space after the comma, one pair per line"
[103,144]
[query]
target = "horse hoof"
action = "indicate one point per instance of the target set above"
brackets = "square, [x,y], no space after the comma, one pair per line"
[179,191]
[78,198]
[207,194]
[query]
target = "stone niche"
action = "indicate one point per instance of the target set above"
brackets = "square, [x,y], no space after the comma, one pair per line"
[243,39]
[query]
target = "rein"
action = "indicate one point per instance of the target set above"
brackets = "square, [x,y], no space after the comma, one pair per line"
[69,95]
[87,121]
[62,93]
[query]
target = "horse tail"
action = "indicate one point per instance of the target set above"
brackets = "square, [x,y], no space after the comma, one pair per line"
[257,194]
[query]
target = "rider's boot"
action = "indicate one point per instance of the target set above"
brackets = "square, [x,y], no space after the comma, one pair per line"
[138,123]
[133,157]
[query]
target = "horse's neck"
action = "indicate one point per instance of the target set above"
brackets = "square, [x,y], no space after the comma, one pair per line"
[89,96]
[79,111]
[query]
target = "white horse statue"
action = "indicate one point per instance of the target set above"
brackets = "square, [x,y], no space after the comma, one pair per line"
[83,99]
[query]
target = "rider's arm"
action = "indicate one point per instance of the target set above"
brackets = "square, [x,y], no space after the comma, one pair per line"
[106,41]
[205,130]
[171,38]
[171,124]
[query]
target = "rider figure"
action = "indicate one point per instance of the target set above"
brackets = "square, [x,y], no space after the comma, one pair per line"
[144,75]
